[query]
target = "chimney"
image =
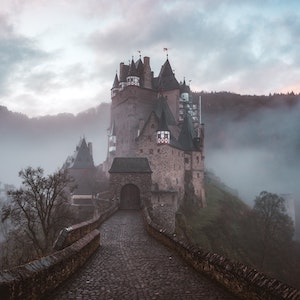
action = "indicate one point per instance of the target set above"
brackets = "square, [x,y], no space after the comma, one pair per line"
[122,77]
[147,73]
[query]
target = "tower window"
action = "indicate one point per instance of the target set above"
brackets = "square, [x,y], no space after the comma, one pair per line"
[163,137]
[141,151]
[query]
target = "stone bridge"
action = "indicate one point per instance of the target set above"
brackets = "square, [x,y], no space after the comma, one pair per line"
[130,264]
[136,260]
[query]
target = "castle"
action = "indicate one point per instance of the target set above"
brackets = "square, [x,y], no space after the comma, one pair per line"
[155,140]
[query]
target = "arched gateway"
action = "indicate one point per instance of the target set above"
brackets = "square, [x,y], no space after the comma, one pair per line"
[130,181]
[130,197]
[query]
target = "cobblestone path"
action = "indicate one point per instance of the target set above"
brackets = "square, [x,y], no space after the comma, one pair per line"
[130,264]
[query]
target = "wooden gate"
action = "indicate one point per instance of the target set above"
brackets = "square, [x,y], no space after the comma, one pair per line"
[130,197]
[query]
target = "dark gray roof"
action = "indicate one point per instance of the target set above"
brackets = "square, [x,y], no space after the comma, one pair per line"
[162,106]
[184,88]
[130,165]
[132,69]
[116,82]
[81,159]
[163,126]
[166,80]
[187,134]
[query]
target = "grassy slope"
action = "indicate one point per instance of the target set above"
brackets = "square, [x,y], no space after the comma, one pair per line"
[220,228]
[216,227]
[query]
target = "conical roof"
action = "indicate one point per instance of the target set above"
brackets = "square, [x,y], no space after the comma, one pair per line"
[116,82]
[82,157]
[132,69]
[162,106]
[187,134]
[166,79]
[184,88]
[163,126]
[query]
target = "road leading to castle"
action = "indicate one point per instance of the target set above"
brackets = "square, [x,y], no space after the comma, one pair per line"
[130,264]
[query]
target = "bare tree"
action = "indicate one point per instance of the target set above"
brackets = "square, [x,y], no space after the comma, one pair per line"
[39,209]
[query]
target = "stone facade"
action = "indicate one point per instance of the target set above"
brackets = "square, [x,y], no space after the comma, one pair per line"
[157,118]
[141,180]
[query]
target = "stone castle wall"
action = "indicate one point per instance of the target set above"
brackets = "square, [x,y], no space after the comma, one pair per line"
[241,280]
[129,107]
[167,163]
[141,180]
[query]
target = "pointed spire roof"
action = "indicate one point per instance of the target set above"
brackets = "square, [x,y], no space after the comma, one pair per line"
[116,82]
[166,80]
[166,69]
[161,107]
[163,126]
[82,158]
[132,69]
[187,134]
[184,88]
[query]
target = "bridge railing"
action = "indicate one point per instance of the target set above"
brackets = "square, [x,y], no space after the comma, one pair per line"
[39,277]
[241,280]
[69,235]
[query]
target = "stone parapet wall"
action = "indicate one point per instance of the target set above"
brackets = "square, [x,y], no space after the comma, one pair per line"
[71,234]
[39,277]
[241,280]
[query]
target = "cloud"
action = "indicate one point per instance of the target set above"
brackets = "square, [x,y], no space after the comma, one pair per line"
[246,47]
[16,54]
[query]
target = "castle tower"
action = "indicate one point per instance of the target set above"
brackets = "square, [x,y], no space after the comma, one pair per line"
[168,86]
[115,87]
[133,78]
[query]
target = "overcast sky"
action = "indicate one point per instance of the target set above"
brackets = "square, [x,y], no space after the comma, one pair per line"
[61,55]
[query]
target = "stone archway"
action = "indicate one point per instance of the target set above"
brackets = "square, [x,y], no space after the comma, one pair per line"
[130,197]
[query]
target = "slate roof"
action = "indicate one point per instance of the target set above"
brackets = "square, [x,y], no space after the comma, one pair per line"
[187,134]
[116,82]
[162,106]
[163,126]
[130,165]
[81,159]
[184,88]
[132,69]
[139,68]
[166,80]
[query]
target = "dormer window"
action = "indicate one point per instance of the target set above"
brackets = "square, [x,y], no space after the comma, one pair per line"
[163,137]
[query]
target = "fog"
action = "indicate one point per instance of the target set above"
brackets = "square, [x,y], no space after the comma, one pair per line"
[257,152]
[250,153]
[48,141]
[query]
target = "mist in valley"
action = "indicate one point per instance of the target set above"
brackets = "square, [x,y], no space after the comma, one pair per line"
[48,141]
[257,152]
[250,150]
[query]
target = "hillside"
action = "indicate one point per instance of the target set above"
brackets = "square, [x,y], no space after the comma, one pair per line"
[216,227]
[223,228]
